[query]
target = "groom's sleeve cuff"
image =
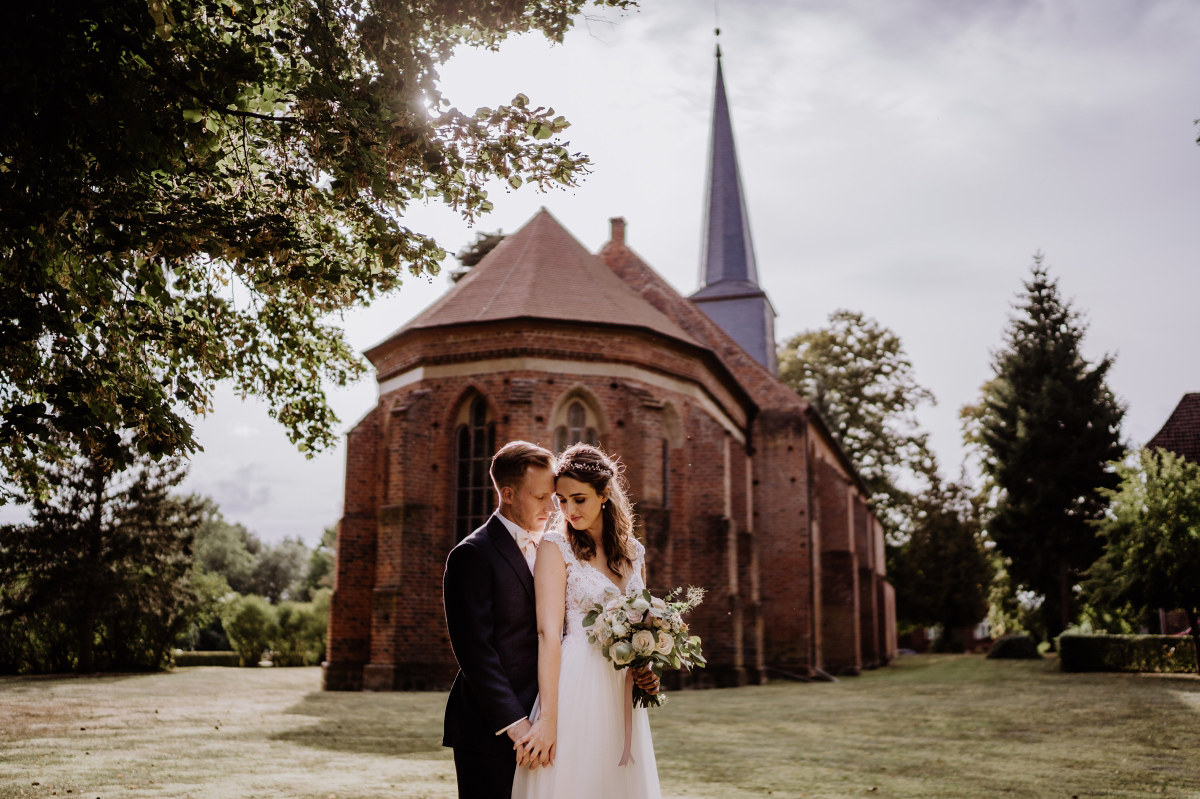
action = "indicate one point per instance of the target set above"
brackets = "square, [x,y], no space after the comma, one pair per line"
[510,726]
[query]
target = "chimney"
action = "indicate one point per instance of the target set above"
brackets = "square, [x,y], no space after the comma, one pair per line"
[617,228]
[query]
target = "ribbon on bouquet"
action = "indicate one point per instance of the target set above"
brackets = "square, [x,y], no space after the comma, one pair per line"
[626,756]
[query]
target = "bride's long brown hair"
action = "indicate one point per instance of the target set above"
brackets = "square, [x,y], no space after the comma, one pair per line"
[590,465]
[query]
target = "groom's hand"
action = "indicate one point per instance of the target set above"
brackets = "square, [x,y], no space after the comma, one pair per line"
[536,747]
[516,732]
[646,680]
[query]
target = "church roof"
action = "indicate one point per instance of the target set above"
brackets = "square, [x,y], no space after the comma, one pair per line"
[1181,433]
[728,251]
[543,272]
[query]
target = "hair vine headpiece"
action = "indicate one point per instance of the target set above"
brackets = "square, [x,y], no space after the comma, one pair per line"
[586,467]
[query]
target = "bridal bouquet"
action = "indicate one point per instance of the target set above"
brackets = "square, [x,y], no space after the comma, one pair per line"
[643,630]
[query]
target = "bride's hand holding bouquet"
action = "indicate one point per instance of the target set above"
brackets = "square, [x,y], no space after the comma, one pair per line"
[641,631]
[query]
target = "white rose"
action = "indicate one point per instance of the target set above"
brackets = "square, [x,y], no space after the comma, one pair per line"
[621,653]
[633,616]
[665,644]
[619,630]
[643,642]
[612,604]
[641,604]
[658,607]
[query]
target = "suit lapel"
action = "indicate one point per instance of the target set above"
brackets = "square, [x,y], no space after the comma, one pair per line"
[508,548]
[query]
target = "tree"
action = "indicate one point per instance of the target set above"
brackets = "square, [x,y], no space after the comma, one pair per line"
[190,189]
[279,570]
[943,571]
[225,548]
[1151,539]
[100,578]
[322,565]
[856,373]
[470,255]
[1047,428]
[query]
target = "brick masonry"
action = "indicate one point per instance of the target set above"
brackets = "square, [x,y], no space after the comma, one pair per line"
[737,486]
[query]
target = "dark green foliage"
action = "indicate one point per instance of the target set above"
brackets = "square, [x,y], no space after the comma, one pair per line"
[101,578]
[250,624]
[1047,428]
[1014,647]
[1152,540]
[1157,653]
[857,375]
[942,572]
[189,190]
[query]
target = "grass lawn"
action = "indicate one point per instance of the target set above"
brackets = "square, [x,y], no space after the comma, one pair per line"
[931,726]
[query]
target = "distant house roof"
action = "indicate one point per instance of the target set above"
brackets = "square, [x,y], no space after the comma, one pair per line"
[543,272]
[1181,433]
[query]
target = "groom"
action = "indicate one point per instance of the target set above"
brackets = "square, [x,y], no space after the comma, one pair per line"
[490,613]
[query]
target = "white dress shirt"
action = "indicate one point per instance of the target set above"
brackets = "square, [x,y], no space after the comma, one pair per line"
[527,542]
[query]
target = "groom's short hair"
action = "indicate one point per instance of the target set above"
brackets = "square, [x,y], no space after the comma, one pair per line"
[514,459]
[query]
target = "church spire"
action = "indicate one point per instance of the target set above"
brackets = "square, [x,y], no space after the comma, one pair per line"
[728,252]
[729,291]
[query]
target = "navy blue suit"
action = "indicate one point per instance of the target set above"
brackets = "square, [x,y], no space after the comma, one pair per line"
[492,619]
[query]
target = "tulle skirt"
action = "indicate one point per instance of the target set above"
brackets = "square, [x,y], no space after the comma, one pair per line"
[591,736]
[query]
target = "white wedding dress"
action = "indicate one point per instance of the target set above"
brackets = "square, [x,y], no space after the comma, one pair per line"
[591,710]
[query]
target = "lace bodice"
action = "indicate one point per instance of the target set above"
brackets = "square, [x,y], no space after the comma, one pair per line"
[586,585]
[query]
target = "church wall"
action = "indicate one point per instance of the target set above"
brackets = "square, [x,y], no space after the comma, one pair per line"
[782,531]
[840,626]
[349,633]
[388,619]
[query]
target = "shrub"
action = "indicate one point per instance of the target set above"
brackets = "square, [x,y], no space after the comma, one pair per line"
[250,624]
[1014,647]
[300,634]
[1157,653]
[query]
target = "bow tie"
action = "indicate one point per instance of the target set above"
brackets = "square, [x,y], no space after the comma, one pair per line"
[527,542]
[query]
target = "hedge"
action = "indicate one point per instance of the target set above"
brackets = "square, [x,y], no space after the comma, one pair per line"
[1014,647]
[1158,653]
[207,659]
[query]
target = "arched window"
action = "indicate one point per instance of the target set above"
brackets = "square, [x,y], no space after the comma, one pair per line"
[576,430]
[474,445]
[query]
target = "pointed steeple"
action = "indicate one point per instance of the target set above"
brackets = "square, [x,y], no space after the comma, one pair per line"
[728,251]
[730,293]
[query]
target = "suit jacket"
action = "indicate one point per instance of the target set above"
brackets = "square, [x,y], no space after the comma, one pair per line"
[490,613]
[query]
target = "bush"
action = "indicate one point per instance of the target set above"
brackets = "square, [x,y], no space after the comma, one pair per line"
[249,622]
[1157,653]
[207,659]
[300,633]
[1014,647]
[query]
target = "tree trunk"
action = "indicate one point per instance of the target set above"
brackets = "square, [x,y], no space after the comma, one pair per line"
[87,629]
[1194,621]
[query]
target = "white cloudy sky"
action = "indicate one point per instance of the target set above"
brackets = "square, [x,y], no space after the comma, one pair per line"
[905,159]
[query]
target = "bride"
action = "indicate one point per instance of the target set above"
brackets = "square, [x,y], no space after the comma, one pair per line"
[578,730]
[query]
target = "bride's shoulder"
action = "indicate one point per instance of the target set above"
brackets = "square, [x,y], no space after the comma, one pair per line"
[639,550]
[559,540]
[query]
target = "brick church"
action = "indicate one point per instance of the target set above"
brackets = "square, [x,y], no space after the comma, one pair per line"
[738,485]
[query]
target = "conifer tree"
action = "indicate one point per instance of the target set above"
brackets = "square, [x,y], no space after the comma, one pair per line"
[99,579]
[1047,427]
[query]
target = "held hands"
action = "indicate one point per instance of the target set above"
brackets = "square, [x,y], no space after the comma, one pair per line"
[646,680]
[536,746]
